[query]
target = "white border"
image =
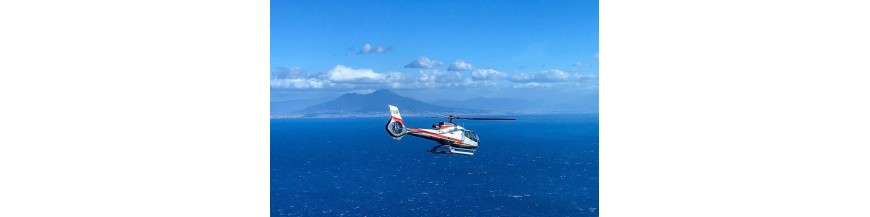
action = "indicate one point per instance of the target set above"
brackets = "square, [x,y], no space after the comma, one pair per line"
[734,108]
[155,108]
[159,108]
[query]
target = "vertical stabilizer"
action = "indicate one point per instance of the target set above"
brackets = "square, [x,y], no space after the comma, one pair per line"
[396,126]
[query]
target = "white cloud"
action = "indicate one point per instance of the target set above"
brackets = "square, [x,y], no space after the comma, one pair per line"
[486,74]
[557,75]
[344,74]
[531,85]
[300,83]
[548,77]
[579,64]
[286,73]
[338,77]
[295,78]
[460,65]
[363,91]
[368,48]
[436,76]
[424,63]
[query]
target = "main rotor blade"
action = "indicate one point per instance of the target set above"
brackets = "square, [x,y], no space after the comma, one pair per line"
[490,119]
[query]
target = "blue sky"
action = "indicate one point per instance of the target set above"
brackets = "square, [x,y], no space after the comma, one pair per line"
[434,49]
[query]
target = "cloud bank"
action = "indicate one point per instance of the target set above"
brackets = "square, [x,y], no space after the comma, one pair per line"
[338,77]
[531,85]
[349,75]
[343,77]
[424,63]
[487,74]
[550,76]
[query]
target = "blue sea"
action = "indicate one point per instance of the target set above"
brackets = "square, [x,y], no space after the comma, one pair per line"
[541,165]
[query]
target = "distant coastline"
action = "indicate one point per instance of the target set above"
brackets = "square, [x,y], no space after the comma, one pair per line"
[290,115]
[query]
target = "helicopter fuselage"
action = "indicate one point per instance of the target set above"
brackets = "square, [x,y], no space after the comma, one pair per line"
[447,134]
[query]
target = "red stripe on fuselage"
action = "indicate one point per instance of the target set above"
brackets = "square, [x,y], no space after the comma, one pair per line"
[417,130]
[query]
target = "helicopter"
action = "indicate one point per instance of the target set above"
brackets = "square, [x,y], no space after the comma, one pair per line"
[451,138]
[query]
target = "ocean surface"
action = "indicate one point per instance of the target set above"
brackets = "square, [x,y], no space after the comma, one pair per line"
[542,165]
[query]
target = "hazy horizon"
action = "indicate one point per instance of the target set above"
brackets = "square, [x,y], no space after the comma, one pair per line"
[481,104]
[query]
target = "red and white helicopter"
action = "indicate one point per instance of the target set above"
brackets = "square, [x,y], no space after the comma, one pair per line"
[451,138]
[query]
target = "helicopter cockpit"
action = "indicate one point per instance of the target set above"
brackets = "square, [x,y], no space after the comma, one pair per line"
[470,134]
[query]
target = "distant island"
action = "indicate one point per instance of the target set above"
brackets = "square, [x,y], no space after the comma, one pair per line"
[375,105]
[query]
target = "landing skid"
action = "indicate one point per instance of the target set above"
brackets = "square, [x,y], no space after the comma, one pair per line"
[446,149]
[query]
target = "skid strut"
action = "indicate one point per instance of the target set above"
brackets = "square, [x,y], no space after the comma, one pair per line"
[446,149]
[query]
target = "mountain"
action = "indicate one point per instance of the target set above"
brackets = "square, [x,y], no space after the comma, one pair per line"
[294,105]
[377,102]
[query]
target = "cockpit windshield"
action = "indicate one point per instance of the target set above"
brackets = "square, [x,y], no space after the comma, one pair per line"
[471,135]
